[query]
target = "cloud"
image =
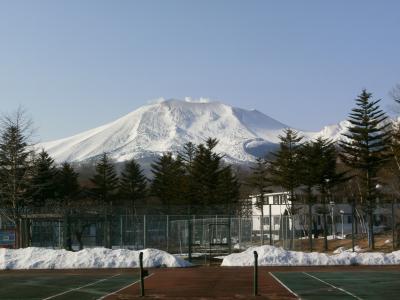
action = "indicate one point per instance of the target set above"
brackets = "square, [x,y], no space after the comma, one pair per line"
[200,100]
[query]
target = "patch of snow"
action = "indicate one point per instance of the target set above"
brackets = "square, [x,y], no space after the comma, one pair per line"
[40,258]
[335,237]
[273,256]
[339,250]
[344,249]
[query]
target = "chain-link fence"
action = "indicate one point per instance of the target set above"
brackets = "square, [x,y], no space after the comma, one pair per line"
[208,234]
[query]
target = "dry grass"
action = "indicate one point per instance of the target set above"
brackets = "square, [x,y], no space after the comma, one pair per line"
[381,244]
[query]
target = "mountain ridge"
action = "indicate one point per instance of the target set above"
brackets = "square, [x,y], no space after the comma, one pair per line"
[167,125]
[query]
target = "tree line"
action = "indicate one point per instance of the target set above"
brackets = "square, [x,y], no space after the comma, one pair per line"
[196,178]
[354,169]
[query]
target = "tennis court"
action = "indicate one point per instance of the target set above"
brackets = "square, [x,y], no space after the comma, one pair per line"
[64,284]
[346,282]
[336,284]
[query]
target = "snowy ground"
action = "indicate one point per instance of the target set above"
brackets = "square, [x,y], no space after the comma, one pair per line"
[40,258]
[273,256]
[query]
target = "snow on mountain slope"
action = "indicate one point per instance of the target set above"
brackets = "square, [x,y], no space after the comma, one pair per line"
[166,126]
[332,132]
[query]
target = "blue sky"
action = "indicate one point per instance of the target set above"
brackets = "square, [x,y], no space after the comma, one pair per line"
[75,65]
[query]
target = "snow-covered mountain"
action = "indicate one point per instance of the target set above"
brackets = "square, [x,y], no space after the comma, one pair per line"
[166,126]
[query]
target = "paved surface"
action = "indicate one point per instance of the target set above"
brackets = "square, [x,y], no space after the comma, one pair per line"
[206,283]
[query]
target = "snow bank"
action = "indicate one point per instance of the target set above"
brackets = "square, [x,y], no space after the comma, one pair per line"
[273,256]
[40,258]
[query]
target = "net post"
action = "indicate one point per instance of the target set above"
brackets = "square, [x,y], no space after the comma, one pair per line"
[255,278]
[141,274]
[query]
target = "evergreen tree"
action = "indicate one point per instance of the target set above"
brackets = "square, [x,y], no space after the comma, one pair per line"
[188,155]
[43,183]
[15,167]
[227,191]
[206,172]
[327,176]
[284,168]
[365,149]
[67,191]
[168,175]
[309,161]
[318,173]
[260,183]
[105,181]
[132,184]
[189,191]
[67,184]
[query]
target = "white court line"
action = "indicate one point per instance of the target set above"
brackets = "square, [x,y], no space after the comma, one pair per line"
[285,286]
[103,297]
[335,287]
[81,287]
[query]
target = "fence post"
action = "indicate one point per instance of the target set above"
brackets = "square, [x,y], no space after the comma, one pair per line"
[230,234]
[393,226]
[270,225]
[141,274]
[262,229]
[190,239]
[144,231]
[353,216]
[167,233]
[121,232]
[240,231]
[255,278]
[310,220]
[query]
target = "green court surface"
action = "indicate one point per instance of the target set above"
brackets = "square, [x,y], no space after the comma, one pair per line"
[62,285]
[342,285]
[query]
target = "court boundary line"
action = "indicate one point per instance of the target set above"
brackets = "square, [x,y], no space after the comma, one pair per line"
[125,287]
[331,285]
[284,285]
[80,287]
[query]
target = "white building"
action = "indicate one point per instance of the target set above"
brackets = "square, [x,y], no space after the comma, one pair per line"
[278,207]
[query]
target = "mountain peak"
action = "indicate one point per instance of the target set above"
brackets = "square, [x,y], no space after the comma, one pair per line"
[166,125]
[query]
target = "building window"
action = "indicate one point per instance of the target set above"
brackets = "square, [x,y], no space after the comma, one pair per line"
[276,199]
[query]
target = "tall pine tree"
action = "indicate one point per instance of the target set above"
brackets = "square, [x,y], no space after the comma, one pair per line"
[327,177]
[67,184]
[43,183]
[105,181]
[365,149]
[309,159]
[15,167]
[206,172]
[168,176]
[284,167]
[132,184]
